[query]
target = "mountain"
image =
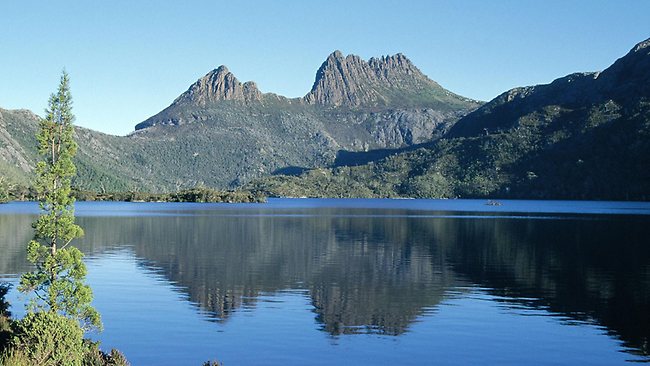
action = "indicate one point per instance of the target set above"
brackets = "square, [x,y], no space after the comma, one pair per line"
[583,136]
[16,136]
[625,84]
[104,162]
[381,85]
[387,81]
[224,133]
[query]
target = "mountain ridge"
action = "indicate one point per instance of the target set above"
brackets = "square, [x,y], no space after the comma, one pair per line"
[222,133]
[626,79]
[582,136]
[386,82]
[350,81]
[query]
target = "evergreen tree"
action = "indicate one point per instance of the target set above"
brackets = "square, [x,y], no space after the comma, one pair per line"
[58,278]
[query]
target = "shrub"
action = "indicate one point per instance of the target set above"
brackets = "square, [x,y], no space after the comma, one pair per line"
[14,357]
[95,357]
[49,339]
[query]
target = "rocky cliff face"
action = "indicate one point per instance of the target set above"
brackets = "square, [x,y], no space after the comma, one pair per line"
[386,81]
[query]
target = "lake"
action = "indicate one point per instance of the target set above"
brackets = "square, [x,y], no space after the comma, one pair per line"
[380,282]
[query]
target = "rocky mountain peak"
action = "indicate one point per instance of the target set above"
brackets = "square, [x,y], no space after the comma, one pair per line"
[340,81]
[336,55]
[351,81]
[218,85]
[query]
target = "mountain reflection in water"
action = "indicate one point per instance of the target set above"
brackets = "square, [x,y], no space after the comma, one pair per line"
[370,271]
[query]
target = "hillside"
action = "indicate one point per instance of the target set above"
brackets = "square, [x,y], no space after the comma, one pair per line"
[223,133]
[103,161]
[584,136]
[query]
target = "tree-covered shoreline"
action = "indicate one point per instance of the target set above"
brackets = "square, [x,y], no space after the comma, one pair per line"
[201,195]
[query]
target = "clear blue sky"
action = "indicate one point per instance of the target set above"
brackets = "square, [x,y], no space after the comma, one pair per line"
[130,59]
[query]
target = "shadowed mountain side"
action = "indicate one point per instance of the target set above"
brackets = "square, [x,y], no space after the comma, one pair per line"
[584,136]
[609,95]
[354,158]
[189,155]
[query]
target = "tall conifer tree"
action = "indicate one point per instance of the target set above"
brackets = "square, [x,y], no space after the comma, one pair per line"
[58,280]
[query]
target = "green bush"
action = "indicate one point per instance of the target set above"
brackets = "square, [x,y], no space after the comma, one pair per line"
[49,339]
[95,357]
[14,357]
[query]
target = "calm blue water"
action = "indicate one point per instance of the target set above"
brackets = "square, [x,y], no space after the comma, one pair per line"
[406,282]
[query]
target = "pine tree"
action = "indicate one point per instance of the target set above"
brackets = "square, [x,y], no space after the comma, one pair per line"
[58,278]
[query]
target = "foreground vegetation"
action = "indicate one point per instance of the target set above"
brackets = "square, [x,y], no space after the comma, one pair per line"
[188,195]
[48,339]
[59,310]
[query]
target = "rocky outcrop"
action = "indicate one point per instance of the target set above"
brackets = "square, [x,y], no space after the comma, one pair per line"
[385,81]
[219,85]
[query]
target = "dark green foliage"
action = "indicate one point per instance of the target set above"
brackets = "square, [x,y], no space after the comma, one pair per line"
[4,305]
[211,195]
[567,157]
[48,338]
[95,357]
[5,321]
[22,193]
[187,195]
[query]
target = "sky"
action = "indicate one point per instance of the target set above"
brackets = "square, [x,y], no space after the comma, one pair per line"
[130,59]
